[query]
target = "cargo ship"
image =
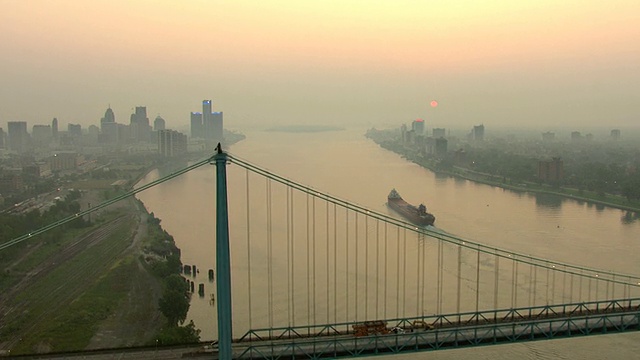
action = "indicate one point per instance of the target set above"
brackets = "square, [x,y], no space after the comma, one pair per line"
[417,215]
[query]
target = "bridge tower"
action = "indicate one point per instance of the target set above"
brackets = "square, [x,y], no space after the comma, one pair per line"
[223,262]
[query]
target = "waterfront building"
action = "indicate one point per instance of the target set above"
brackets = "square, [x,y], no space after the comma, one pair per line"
[551,171]
[171,143]
[207,125]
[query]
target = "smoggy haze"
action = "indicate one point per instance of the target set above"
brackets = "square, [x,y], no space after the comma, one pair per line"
[368,62]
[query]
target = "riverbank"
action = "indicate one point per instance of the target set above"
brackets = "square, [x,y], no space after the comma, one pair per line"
[608,200]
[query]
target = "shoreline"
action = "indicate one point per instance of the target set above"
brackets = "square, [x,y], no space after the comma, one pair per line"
[523,189]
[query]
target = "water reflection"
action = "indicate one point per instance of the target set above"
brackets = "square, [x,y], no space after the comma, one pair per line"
[548,201]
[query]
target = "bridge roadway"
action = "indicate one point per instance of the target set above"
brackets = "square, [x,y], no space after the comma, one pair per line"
[472,331]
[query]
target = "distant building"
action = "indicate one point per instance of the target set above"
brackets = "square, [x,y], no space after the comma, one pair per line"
[576,136]
[196,125]
[441,146]
[477,133]
[171,143]
[74,130]
[159,124]
[11,183]
[439,132]
[207,125]
[2,136]
[139,125]
[418,126]
[54,129]
[551,171]
[615,134]
[64,160]
[548,136]
[18,136]
[41,135]
[589,137]
[109,118]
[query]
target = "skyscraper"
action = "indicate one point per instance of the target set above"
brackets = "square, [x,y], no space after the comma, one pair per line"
[139,125]
[18,136]
[159,124]
[54,128]
[208,125]
[196,125]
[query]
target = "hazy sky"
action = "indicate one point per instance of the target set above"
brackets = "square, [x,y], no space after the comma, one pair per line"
[374,62]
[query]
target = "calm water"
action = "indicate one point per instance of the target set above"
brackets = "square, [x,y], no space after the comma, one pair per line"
[351,167]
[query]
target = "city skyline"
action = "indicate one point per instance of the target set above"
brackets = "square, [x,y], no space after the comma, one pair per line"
[283,62]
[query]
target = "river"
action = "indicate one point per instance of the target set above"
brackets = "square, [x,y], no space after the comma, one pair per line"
[351,167]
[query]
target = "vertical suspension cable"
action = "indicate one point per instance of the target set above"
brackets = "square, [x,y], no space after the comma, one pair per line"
[535,285]
[270,252]
[357,272]
[404,274]
[248,250]
[386,253]
[366,267]
[613,288]
[571,289]
[440,271]
[564,283]
[289,291]
[580,285]
[553,284]
[293,259]
[424,273]
[377,268]
[515,282]
[477,282]
[418,263]
[346,212]
[496,280]
[313,242]
[308,265]
[459,281]
[530,282]
[547,287]
[398,273]
[597,284]
[327,259]
[335,263]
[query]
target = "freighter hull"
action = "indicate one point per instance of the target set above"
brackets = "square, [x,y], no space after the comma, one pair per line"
[416,215]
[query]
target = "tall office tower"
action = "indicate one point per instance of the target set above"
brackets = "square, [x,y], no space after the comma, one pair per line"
[54,128]
[196,125]
[418,126]
[478,133]
[159,124]
[139,125]
[216,126]
[41,135]
[18,136]
[1,138]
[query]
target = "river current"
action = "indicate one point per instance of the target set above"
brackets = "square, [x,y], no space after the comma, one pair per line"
[349,166]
